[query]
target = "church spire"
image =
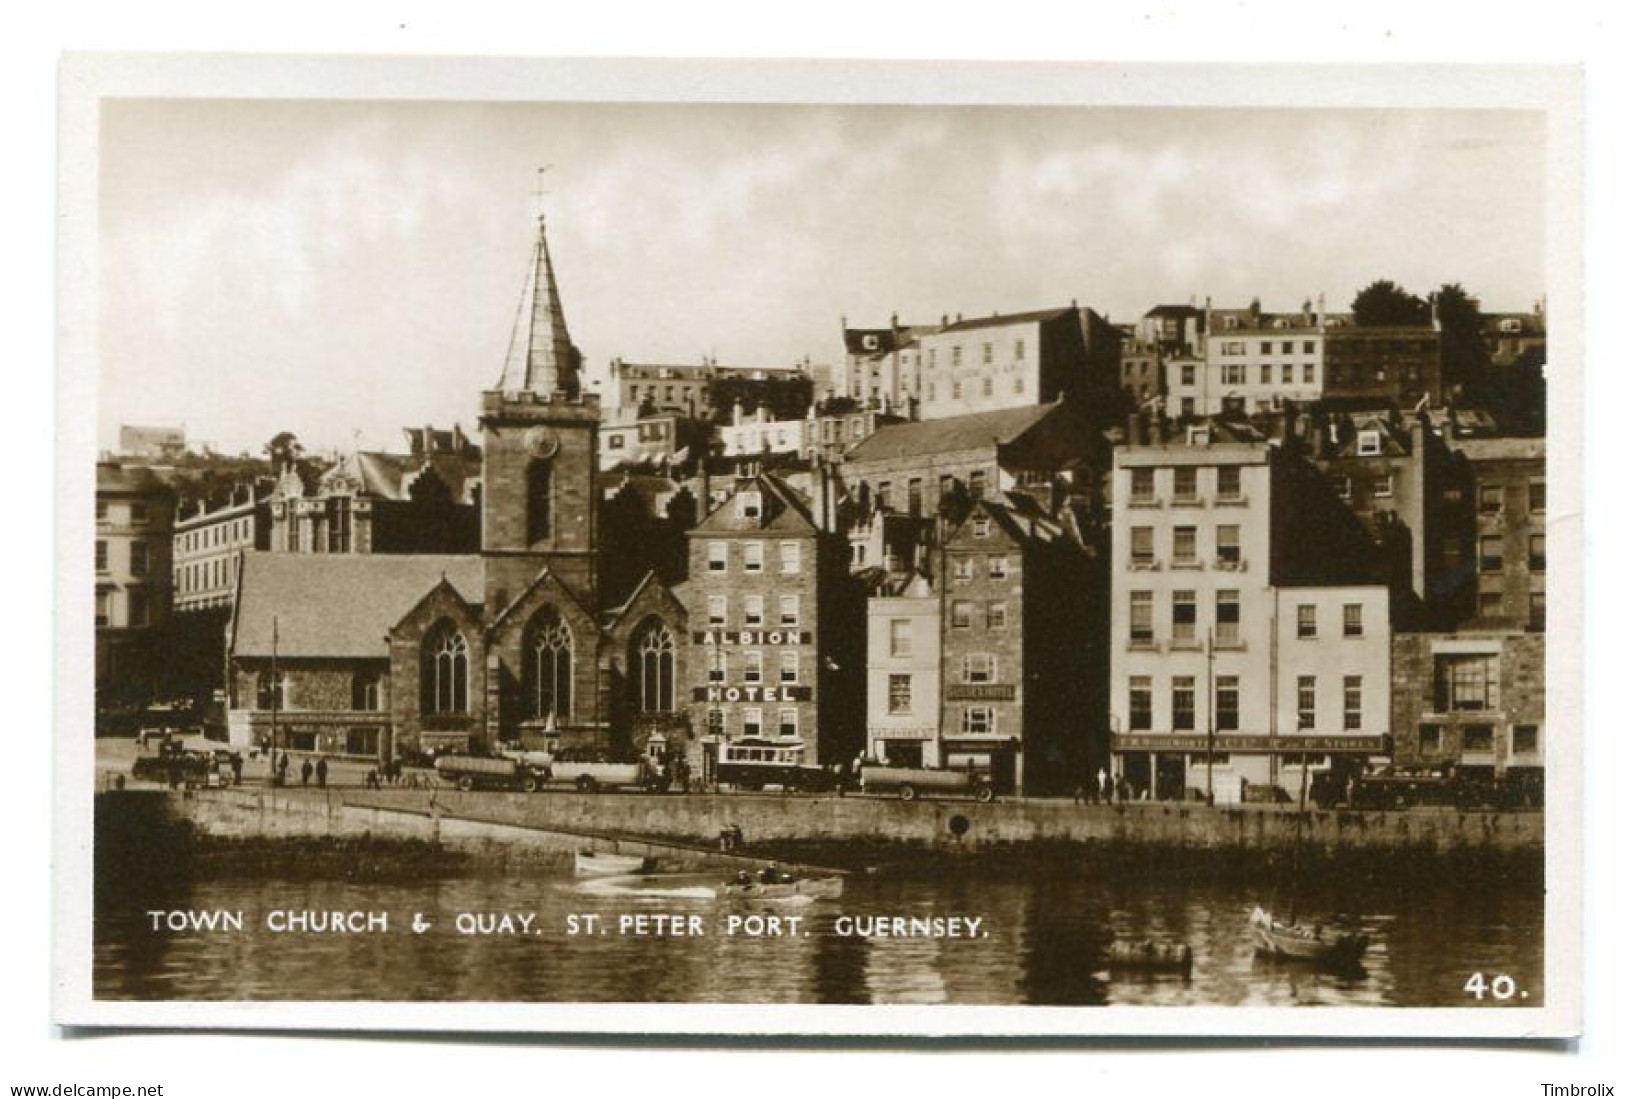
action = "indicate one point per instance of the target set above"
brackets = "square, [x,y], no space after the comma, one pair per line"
[541,358]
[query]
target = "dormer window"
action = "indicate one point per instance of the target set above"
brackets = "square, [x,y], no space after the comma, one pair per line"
[749,505]
[1512,324]
[981,527]
[1369,443]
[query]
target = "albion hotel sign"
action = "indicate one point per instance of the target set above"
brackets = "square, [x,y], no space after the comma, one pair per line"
[753,692]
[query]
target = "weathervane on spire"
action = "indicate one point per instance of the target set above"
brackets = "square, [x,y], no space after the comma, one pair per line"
[541,190]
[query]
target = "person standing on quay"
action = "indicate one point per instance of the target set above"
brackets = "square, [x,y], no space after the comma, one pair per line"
[321,772]
[304,772]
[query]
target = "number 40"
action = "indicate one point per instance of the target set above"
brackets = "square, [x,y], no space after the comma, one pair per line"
[1501,986]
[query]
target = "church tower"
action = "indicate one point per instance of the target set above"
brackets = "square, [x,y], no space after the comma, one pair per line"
[540,439]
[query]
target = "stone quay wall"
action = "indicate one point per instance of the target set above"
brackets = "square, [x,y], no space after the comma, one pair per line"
[668,825]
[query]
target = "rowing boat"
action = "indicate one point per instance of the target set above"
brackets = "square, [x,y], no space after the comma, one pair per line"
[596,864]
[1298,942]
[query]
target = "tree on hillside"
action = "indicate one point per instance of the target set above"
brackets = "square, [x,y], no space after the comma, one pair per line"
[283,450]
[1464,360]
[1385,302]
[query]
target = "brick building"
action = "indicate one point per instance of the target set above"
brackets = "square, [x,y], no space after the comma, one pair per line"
[1015,703]
[1473,701]
[775,624]
[1383,367]
[1508,501]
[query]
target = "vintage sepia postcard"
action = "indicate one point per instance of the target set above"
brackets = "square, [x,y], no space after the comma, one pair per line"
[911,549]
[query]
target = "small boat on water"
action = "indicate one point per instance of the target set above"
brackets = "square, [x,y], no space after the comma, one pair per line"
[1149,956]
[813,888]
[593,864]
[1297,942]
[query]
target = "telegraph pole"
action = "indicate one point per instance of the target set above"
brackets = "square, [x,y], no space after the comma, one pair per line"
[1211,702]
[276,699]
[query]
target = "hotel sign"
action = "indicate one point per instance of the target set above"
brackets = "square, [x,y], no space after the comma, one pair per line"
[981,692]
[752,692]
[753,637]
[1241,743]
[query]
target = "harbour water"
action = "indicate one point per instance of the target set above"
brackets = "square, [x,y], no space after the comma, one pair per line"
[1042,939]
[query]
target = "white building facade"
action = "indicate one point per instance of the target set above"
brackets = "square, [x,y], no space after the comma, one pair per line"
[905,676]
[1211,671]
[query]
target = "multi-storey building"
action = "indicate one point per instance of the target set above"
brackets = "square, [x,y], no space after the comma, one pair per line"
[904,668]
[210,539]
[1508,501]
[1017,703]
[776,625]
[707,391]
[1397,474]
[1249,635]
[135,515]
[835,427]
[881,367]
[1142,377]
[1472,702]
[913,468]
[423,501]
[1165,332]
[988,363]
[753,433]
[661,439]
[1251,361]
[1383,367]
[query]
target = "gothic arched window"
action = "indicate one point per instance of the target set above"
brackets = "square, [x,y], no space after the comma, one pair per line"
[445,671]
[549,666]
[654,657]
[539,500]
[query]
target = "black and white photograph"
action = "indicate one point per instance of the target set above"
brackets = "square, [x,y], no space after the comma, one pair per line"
[824,562]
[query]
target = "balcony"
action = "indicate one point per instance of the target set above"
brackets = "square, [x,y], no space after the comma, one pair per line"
[1229,564]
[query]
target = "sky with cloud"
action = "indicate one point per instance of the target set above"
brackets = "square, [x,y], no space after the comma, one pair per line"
[344,269]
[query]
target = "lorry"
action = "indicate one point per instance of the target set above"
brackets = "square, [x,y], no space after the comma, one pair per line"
[584,771]
[909,783]
[490,773]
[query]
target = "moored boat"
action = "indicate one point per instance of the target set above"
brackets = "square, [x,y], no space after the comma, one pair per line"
[599,864]
[1298,942]
[1150,957]
[816,888]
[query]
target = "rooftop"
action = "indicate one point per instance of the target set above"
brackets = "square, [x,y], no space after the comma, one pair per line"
[339,605]
[972,432]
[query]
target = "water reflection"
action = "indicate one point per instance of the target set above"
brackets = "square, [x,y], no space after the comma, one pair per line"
[1047,941]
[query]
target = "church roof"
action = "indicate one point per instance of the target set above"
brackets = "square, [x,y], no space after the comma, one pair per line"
[338,605]
[540,357]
